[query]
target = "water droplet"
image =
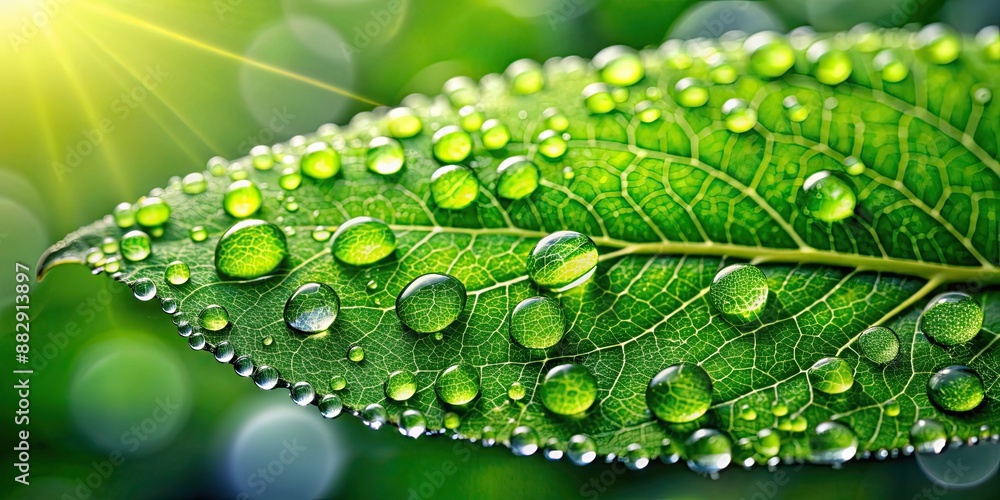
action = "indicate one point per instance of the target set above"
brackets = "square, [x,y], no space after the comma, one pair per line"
[981,95]
[302,393]
[690,92]
[568,173]
[722,71]
[568,389]
[890,66]
[879,344]
[619,65]
[523,441]
[516,391]
[892,408]
[770,54]
[112,265]
[144,289]
[831,375]
[739,292]
[709,451]
[551,144]
[385,156]
[213,318]
[401,385]
[854,166]
[470,118]
[956,388]
[431,302]
[136,246]
[320,161]
[562,260]
[242,199]
[330,406]
[553,119]
[412,423]
[374,416]
[517,177]
[224,352]
[262,157]
[830,66]
[679,393]
[356,354]
[196,341]
[748,413]
[495,134]
[250,249]
[647,112]
[124,215]
[796,112]
[454,187]
[403,123]
[95,257]
[243,366]
[452,420]
[266,377]
[597,98]
[581,449]
[177,273]
[312,308]
[217,165]
[109,245]
[779,409]
[552,451]
[928,436]
[194,183]
[452,144]
[198,234]
[338,382]
[988,40]
[828,197]
[525,77]
[636,457]
[168,305]
[768,443]
[290,179]
[832,443]
[321,234]
[268,341]
[461,91]
[363,241]
[939,43]
[951,318]
[537,323]
[739,116]
[458,384]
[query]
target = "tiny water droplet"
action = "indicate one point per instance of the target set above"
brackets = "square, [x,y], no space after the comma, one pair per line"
[243,366]
[268,341]
[124,215]
[262,157]
[338,382]
[525,77]
[938,43]
[136,246]
[152,212]
[356,354]
[739,116]
[768,443]
[832,443]
[403,123]
[830,66]
[194,183]
[196,341]
[524,441]
[553,119]
[250,249]
[581,449]
[636,457]
[619,65]
[551,144]
[647,112]
[198,234]
[795,111]
[168,305]
[691,92]
[461,91]
[451,144]
[890,66]
[988,40]
[452,420]
[516,391]
[177,273]
[412,423]
[770,54]
[892,408]
[597,97]
[495,134]
[290,179]
[709,451]
[470,118]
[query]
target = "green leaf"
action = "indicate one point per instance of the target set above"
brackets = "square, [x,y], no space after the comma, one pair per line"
[858,201]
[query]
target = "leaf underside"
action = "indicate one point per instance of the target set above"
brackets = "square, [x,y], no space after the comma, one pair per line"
[669,204]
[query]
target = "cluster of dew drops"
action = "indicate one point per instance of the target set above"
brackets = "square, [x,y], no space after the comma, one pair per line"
[679,393]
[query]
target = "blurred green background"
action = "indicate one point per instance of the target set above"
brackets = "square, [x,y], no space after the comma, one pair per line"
[104,100]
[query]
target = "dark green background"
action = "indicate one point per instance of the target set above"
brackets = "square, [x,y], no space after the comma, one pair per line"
[170,84]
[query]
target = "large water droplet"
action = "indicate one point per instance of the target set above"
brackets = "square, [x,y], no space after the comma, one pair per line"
[385,156]
[830,66]
[879,344]
[619,65]
[956,388]
[177,273]
[242,199]
[831,375]
[832,443]
[458,384]
[770,54]
[524,441]
[928,436]
[213,318]
[739,292]
[568,389]
[951,318]
[525,77]
[451,144]
[939,43]
[401,385]
[312,308]
[708,451]
[412,423]
[135,246]
[537,323]
[152,212]
[454,187]
[431,302]
[320,161]
[517,177]
[144,289]
[828,197]
[562,260]
[250,249]
[581,449]
[363,241]
[679,393]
